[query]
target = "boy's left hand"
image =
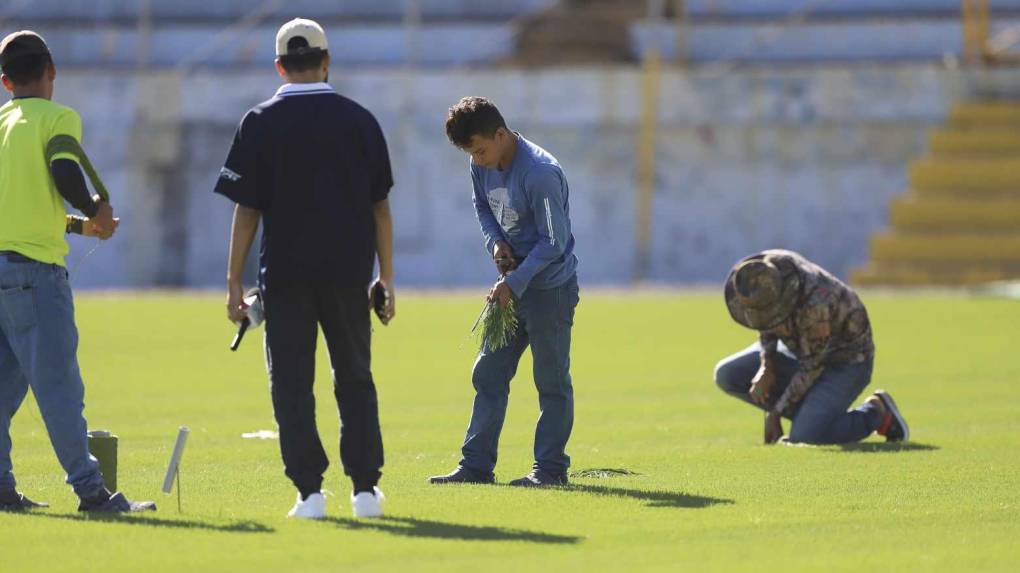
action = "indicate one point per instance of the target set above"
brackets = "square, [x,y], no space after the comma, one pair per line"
[502,293]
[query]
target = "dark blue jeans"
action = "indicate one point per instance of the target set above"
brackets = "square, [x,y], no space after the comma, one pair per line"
[545,320]
[38,349]
[822,417]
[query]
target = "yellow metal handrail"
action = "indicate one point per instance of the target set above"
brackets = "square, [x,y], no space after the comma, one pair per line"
[979,47]
[974,20]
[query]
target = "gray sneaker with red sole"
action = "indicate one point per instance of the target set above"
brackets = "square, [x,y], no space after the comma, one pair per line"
[894,427]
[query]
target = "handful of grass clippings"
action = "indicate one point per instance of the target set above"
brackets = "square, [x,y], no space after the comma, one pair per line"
[499,324]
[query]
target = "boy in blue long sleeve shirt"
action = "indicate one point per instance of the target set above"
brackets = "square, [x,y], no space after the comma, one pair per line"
[521,198]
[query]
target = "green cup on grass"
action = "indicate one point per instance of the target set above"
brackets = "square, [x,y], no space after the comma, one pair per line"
[103,446]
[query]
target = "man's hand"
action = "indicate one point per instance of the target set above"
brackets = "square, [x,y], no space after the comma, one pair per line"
[389,310]
[236,309]
[103,224]
[762,384]
[502,293]
[90,229]
[503,255]
[773,427]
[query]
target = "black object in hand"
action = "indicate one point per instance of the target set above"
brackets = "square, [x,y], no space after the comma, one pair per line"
[255,314]
[380,299]
[240,334]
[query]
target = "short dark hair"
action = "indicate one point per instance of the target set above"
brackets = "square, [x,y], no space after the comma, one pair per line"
[303,61]
[28,68]
[473,116]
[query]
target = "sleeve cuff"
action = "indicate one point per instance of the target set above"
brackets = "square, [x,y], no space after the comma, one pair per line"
[517,284]
[65,155]
[237,197]
[380,195]
[90,209]
[75,226]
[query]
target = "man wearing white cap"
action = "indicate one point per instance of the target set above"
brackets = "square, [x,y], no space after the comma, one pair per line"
[313,166]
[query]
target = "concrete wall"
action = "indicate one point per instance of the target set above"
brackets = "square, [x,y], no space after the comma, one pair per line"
[799,158]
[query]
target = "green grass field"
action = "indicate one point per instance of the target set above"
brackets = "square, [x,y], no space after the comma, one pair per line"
[709,496]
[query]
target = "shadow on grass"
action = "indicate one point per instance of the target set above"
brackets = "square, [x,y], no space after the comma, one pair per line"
[410,527]
[883,447]
[654,498]
[245,526]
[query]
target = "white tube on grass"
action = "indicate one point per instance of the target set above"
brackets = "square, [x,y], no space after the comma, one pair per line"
[175,459]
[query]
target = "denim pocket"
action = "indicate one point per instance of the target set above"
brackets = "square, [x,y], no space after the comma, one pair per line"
[567,298]
[18,307]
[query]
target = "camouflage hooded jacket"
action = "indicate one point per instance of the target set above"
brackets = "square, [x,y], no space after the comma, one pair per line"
[829,326]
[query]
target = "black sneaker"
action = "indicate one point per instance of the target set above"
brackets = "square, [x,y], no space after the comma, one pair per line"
[106,502]
[894,427]
[540,478]
[13,500]
[464,475]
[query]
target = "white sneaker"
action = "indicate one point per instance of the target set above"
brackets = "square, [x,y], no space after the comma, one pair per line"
[312,508]
[368,505]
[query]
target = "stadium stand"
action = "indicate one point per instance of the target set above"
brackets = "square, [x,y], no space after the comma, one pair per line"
[959,223]
[108,33]
[813,144]
[80,11]
[355,44]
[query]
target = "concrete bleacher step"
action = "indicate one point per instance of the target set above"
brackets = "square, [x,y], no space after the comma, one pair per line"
[864,37]
[984,115]
[110,46]
[996,217]
[966,177]
[797,31]
[919,276]
[948,250]
[772,9]
[89,11]
[974,141]
[106,33]
[959,224]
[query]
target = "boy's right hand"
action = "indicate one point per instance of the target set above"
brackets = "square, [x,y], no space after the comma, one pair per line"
[237,310]
[503,255]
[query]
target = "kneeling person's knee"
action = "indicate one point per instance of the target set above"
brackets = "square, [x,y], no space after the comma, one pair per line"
[728,378]
[810,431]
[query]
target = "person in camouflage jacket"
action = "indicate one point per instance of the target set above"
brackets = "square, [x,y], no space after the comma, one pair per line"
[814,354]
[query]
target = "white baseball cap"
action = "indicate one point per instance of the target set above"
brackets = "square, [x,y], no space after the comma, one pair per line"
[289,38]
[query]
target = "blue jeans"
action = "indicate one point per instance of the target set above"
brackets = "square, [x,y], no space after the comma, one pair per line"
[545,320]
[38,349]
[822,416]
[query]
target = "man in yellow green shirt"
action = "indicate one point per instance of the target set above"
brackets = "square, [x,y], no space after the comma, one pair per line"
[40,168]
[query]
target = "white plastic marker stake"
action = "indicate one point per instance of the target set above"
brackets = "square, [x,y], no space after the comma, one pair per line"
[173,471]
